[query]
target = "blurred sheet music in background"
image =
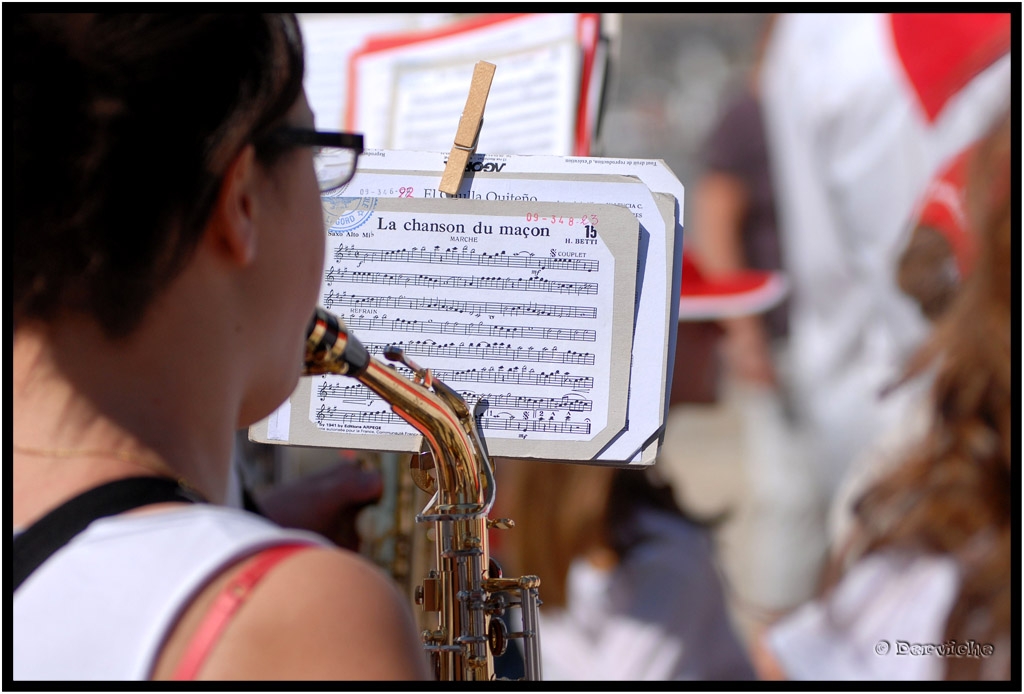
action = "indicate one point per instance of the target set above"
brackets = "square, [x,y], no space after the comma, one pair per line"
[330,40]
[401,80]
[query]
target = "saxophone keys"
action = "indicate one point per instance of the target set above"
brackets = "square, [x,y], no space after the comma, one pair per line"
[497,636]
[426,595]
[434,638]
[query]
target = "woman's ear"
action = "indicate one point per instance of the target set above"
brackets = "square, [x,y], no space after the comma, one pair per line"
[231,230]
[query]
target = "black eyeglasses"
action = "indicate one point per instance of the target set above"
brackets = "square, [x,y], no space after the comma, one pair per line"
[334,157]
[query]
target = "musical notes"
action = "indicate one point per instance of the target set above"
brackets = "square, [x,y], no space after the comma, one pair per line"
[535,425]
[484,350]
[336,414]
[359,393]
[332,299]
[507,331]
[514,375]
[522,402]
[326,414]
[356,393]
[401,279]
[453,256]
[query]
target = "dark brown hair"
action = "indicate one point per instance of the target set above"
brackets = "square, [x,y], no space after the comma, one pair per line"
[954,496]
[118,129]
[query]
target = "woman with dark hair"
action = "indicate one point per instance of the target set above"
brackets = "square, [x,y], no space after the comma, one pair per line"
[165,235]
[923,589]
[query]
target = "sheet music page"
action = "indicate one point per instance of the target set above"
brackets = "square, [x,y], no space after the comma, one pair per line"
[646,375]
[659,304]
[531,107]
[524,308]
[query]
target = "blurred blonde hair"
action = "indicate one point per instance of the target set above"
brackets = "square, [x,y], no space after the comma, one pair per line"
[568,511]
[560,511]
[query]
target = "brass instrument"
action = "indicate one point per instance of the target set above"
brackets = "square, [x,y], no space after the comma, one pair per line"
[465,589]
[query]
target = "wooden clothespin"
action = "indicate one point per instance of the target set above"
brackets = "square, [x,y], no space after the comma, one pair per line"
[469,128]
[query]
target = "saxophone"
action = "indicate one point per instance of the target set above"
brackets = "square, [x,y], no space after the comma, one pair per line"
[466,589]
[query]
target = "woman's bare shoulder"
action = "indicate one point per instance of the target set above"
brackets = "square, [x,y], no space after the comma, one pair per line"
[321,614]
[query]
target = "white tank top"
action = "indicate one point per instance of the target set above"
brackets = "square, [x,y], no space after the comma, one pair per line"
[101,607]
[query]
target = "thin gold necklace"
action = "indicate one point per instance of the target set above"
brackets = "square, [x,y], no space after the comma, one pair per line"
[123,455]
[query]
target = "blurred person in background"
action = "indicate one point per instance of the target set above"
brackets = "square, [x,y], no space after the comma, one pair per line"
[861,111]
[629,582]
[734,226]
[930,553]
[711,436]
[734,230]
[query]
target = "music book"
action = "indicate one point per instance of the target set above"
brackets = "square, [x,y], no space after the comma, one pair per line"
[544,292]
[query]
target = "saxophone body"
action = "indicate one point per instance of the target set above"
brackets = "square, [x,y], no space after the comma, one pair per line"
[465,589]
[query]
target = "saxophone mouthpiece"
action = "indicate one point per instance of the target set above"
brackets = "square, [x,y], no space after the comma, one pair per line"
[330,348]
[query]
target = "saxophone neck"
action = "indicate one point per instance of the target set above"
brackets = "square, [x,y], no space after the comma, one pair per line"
[468,424]
[465,481]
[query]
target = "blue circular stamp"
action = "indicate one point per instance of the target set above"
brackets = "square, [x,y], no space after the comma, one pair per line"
[343,214]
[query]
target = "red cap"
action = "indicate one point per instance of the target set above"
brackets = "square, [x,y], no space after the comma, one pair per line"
[742,293]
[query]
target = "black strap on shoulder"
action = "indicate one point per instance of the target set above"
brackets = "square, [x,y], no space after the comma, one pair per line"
[54,530]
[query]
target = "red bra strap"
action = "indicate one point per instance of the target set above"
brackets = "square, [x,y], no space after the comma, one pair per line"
[230,598]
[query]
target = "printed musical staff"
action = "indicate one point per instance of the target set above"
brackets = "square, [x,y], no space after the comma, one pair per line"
[347,393]
[547,426]
[512,284]
[523,402]
[483,350]
[361,394]
[333,298]
[480,329]
[516,376]
[454,256]
[336,414]
[326,414]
